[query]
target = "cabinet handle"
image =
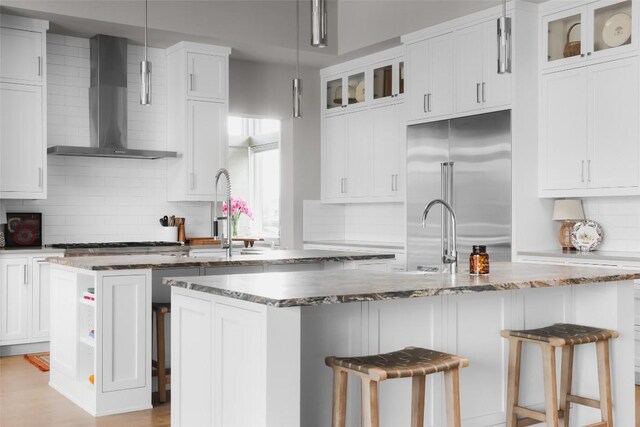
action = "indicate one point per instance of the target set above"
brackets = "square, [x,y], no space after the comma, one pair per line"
[582,170]
[191,81]
[39,65]
[588,170]
[345,186]
[392,178]
[40,177]
[25,271]
[424,103]
[478,93]
[589,53]
[582,55]
[483,91]
[192,181]
[429,102]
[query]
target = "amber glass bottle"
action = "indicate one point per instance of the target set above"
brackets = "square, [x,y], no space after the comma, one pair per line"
[479,261]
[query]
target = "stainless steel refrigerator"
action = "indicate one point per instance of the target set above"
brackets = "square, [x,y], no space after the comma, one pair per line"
[466,162]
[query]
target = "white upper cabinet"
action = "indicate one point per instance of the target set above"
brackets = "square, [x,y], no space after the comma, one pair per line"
[345,91]
[197,110]
[206,145]
[563,132]
[23,108]
[590,130]
[387,80]
[614,145]
[363,137]
[478,84]
[601,30]
[22,56]
[386,149]
[430,78]
[207,76]
[22,141]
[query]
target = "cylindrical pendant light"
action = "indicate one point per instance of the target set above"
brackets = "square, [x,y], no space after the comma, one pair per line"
[297,82]
[319,23]
[504,41]
[145,67]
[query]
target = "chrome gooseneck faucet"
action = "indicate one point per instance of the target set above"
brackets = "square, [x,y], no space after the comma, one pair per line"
[223,171]
[450,251]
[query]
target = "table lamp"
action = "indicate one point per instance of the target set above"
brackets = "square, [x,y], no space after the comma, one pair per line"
[568,211]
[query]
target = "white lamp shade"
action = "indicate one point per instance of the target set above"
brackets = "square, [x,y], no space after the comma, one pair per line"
[568,210]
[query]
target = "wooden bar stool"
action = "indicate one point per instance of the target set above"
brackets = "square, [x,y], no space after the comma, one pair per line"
[159,368]
[566,336]
[412,362]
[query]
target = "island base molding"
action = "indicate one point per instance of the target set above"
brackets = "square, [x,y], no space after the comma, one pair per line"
[242,363]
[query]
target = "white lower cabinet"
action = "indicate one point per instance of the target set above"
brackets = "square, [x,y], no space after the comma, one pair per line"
[14,294]
[24,299]
[589,131]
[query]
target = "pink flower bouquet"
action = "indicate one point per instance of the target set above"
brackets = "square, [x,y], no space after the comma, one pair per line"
[238,207]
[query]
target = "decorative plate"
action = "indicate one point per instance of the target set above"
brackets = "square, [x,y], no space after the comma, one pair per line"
[617,30]
[586,235]
[360,92]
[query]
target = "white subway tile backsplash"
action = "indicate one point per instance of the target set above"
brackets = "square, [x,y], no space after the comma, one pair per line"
[620,221]
[93,199]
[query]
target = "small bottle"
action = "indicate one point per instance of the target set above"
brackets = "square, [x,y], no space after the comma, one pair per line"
[479,261]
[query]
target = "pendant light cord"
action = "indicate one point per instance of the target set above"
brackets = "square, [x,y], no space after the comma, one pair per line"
[504,8]
[297,39]
[146,12]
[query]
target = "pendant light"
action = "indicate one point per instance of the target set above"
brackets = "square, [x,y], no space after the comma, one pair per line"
[319,23]
[504,41]
[297,83]
[145,67]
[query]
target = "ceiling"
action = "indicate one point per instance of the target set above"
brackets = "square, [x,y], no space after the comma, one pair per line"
[257,30]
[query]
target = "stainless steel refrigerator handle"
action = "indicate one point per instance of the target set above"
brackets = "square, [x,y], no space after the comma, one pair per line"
[443,217]
[449,200]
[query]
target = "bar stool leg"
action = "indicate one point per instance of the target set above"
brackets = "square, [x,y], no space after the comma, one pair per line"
[550,388]
[162,375]
[339,398]
[452,396]
[566,377]
[370,403]
[417,401]
[604,381]
[513,381]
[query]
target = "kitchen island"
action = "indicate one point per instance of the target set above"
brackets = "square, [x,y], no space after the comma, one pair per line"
[101,347]
[249,350]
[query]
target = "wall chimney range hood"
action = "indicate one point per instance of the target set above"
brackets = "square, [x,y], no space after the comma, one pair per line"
[108,105]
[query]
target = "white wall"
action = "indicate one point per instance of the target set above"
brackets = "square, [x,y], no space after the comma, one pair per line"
[92,199]
[358,222]
[264,90]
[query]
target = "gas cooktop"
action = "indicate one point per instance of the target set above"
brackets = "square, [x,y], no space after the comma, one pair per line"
[110,245]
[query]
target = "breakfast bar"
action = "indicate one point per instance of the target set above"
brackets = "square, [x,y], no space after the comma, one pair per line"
[249,349]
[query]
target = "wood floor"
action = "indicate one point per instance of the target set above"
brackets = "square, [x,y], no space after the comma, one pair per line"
[26,400]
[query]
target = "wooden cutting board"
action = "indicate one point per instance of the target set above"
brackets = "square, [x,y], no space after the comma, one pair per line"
[196,241]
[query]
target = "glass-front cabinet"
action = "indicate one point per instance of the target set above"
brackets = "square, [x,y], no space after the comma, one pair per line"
[344,91]
[387,80]
[585,33]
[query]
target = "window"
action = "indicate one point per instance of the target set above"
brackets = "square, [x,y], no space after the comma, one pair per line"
[254,164]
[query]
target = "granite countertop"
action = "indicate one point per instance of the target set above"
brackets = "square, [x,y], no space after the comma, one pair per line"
[594,255]
[132,262]
[312,288]
[30,251]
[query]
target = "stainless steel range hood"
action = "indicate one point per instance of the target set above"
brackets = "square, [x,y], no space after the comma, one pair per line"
[108,105]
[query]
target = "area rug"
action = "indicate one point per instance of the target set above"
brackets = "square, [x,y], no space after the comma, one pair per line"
[39,360]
